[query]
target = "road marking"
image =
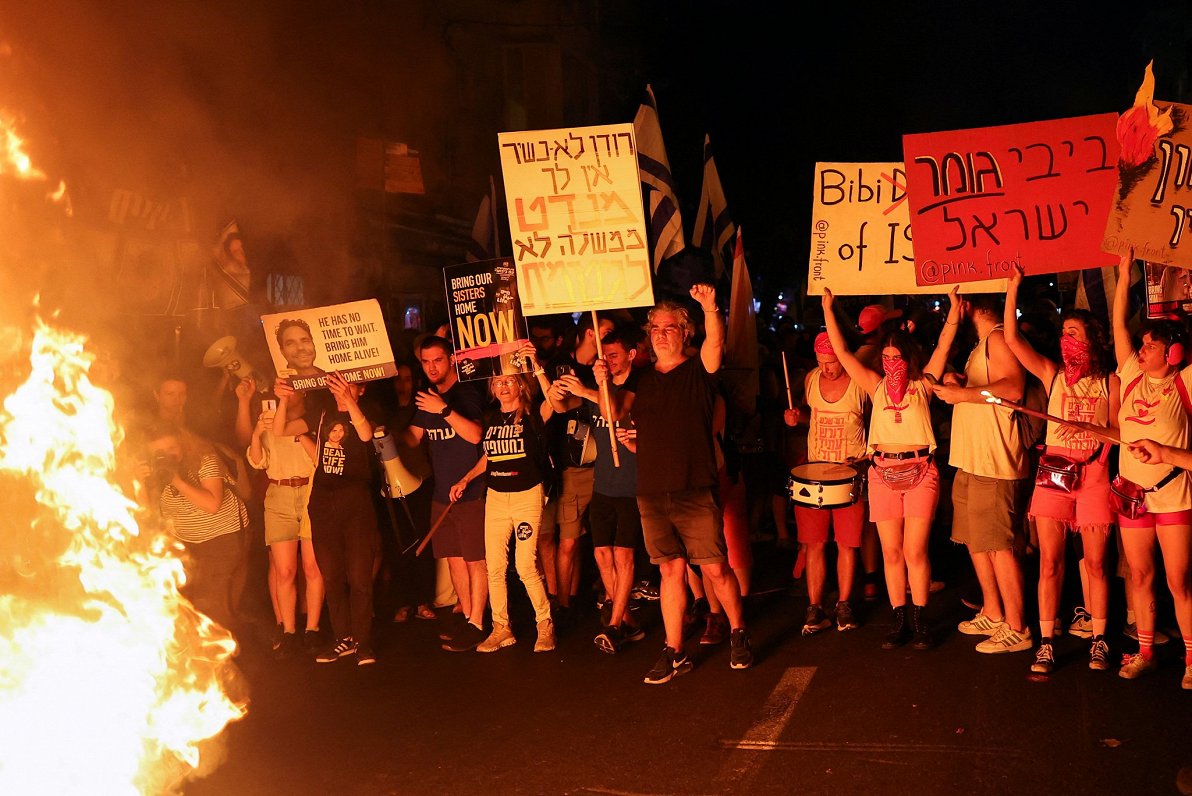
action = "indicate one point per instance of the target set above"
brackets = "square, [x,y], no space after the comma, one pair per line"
[742,766]
[866,748]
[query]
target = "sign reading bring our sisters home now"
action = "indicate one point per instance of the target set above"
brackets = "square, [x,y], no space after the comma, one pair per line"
[986,200]
[349,339]
[861,234]
[576,219]
[486,321]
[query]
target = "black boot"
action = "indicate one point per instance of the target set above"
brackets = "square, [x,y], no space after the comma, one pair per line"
[922,638]
[901,633]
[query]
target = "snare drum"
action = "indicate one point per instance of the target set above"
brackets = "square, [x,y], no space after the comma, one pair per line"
[824,485]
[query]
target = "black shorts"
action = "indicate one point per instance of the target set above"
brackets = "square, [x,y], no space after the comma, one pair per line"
[615,521]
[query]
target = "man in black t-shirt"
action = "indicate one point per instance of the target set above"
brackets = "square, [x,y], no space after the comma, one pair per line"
[448,416]
[672,408]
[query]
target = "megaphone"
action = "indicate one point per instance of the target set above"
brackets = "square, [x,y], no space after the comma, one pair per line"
[223,354]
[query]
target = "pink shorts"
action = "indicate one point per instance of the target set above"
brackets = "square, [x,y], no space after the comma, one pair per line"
[888,504]
[1150,520]
[1088,505]
[848,522]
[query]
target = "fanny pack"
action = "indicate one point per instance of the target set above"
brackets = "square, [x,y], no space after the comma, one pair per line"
[1061,473]
[903,477]
[1129,499]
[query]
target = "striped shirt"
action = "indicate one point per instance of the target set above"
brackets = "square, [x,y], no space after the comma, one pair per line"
[188,522]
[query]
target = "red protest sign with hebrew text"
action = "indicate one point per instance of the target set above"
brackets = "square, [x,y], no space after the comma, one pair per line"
[985,200]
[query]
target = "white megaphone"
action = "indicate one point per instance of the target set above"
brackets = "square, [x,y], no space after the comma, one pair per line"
[223,354]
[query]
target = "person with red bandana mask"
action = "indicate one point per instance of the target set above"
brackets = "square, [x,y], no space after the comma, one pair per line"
[1154,405]
[835,433]
[1081,389]
[904,482]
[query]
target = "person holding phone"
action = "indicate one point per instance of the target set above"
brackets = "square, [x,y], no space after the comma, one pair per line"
[289,472]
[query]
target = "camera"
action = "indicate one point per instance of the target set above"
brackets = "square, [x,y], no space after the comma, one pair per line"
[164,467]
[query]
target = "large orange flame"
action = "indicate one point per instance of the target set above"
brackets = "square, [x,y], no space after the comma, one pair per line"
[110,680]
[112,685]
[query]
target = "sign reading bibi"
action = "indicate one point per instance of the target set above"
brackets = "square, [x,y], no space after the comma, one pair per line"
[349,339]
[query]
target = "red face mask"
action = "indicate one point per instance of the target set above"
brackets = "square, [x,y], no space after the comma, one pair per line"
[1077,362]
[896,378]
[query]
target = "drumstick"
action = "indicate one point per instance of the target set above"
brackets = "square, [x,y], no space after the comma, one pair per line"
[790,398]
[433,528]
[1100,432]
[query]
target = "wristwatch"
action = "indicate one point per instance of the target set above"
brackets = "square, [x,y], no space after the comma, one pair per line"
[446,410]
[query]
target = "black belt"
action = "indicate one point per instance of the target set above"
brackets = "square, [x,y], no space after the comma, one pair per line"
[904,454]
[295,482]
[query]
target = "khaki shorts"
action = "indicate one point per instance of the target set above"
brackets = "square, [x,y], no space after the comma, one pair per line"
[578,484]
[686,525]
[286,519]
[987,512]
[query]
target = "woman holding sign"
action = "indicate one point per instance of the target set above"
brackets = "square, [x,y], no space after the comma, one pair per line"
[515,464]
[1072,485]
[903,482]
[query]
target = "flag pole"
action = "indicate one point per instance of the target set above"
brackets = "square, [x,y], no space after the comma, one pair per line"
[605,401]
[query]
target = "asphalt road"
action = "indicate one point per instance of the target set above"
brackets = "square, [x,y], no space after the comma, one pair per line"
[831,713]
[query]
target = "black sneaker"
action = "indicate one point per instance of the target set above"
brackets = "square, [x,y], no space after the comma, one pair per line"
[341,648]
[670,664]
[631,631]
[643,590]
[288,647]
[466,639]
[312,640]
[815,621]
[452,625]
[1044,660]
[844,617]
[365,655]
[740,653]
[606,612]
[609,640]
[276,637]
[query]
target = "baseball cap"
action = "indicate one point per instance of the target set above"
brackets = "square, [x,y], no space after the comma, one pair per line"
[874,316]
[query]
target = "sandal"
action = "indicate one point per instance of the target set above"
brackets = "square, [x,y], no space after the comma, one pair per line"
[425,612]
[403,614]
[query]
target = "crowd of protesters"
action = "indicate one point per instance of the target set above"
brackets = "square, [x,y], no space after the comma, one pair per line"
[623,466]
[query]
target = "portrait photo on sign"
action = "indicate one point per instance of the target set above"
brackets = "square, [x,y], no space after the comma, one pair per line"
[349,339]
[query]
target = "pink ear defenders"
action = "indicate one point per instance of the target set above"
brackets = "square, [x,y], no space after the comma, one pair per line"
[1175,354]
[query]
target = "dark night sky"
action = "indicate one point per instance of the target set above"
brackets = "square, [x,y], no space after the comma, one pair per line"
[779,89]
[257,99]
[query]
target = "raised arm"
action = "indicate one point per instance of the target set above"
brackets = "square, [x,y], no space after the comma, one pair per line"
[1042,367]
[939,357]
[866,378]
[712,351]
[1123,348]
[1006,377]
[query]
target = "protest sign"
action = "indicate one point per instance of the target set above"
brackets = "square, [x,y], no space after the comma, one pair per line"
[861,234]
[1151,209]
[349,339]
[1168,290]
[576,219]
[986,200]
[486,321]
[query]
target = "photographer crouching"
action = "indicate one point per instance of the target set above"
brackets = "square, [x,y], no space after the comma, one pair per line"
[183,480]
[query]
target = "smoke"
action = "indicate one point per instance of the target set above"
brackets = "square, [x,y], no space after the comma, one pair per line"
[166,121]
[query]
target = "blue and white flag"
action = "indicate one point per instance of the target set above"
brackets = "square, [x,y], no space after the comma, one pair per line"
[714,229]
[658,184]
